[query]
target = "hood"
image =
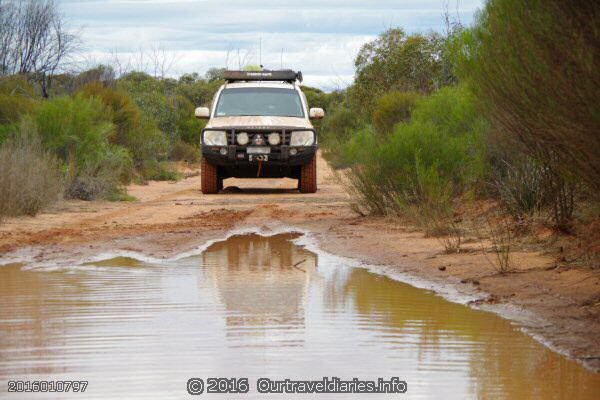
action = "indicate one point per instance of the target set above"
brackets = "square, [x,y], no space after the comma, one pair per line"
[258,122]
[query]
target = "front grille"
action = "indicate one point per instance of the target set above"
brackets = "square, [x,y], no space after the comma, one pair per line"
[285,136]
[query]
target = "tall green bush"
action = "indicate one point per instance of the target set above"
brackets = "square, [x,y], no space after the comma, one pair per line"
[534,68]
[77,129]
[392,108]
[17,99]
[133,129]
[425,162]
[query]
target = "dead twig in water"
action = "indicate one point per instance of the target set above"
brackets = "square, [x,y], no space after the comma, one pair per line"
[298,263]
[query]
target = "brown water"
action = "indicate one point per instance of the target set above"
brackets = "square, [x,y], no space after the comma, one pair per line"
[256,306]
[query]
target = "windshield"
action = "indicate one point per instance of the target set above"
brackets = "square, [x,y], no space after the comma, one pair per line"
[259,101]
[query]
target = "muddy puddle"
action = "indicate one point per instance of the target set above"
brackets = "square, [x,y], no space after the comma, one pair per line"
[255,306]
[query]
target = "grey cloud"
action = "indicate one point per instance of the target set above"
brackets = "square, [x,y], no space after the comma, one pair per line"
[317,36]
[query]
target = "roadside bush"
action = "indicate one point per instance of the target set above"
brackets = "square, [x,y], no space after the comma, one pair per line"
[336,130]
[78,129]
[392,108]
[158,171]
[182,151]
[561,192]
[151,96]
[133,130]
[17,99]
[340,124]
[102,177]
[520,185]
[148,143]
[189,128]
[529,184]
[534,67]
[30,177]
[425,162]
[125,114]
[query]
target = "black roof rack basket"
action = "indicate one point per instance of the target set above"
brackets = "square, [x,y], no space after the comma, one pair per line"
[286,75]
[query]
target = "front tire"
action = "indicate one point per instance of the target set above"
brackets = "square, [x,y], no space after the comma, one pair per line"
[209,183]
[308,176]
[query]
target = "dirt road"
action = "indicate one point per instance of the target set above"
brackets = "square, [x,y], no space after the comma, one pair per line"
[561,307]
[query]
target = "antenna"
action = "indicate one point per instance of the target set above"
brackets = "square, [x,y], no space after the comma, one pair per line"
[260,52]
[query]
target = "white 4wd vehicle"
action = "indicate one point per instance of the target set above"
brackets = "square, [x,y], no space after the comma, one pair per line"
[259,127]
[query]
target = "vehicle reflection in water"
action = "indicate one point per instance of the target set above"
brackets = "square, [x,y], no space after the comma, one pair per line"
[255,306]
[264,285]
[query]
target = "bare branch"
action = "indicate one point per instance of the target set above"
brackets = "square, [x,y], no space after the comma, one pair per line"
[33,38]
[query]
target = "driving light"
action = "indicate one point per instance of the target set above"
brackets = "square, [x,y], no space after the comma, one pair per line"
[274,139]
[302,138]
[242,138]
[215,138]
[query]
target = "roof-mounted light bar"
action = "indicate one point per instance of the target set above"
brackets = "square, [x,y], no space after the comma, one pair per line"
[286,75]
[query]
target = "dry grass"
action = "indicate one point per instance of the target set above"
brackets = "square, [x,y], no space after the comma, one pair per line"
[30,178]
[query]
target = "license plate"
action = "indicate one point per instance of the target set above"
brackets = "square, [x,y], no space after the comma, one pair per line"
[264,158]
[259,150]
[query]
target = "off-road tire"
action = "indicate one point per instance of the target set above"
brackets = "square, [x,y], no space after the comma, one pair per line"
[308,177]
[210,178]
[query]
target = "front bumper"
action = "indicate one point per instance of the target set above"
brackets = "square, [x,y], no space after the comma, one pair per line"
[282,155]
[234,155]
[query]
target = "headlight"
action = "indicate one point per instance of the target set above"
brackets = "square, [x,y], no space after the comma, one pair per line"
[215,138]
[242,138]
[274,139]
[302,138]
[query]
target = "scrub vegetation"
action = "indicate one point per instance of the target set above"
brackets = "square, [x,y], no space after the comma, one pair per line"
[89,133]
[502,114]
[107,131]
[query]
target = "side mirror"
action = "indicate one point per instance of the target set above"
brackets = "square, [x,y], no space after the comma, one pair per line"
[316,113]
[202,112]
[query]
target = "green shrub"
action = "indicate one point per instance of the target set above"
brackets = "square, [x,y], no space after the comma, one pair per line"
[17,99]
[102,177]
[336,130]
[340,124]
[133,130]
[182,151]
[78,129]
[152,97]
[520,186]
[534,68]
[189,128]
[158,171]
[125,114]
[392,108]
[424,163]
[30,177]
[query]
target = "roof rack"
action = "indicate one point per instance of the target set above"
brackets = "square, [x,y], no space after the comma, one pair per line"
[286,75]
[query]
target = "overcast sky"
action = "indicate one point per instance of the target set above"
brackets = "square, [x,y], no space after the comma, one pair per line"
[320,38]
